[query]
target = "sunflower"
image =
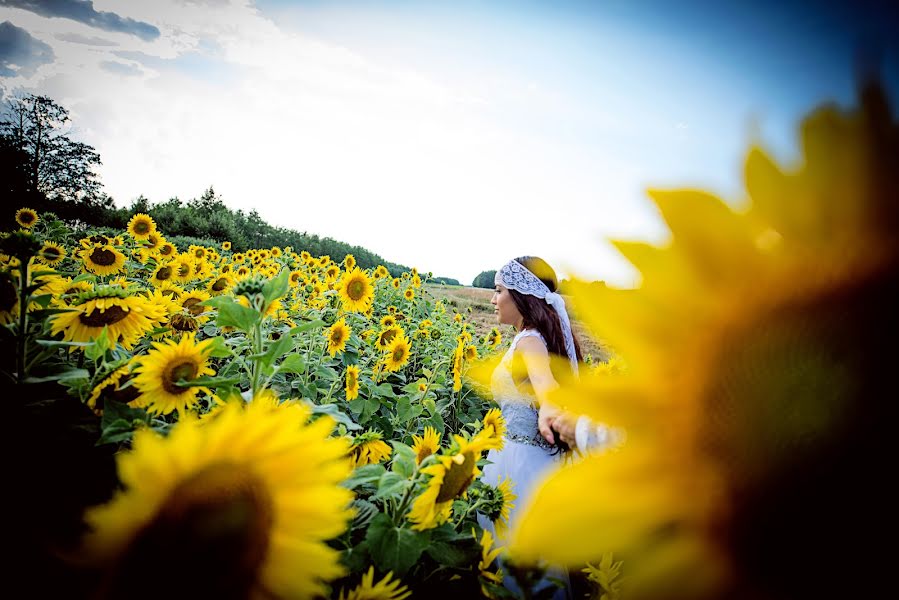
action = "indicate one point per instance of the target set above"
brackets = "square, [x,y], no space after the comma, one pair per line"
[141,226]
[495,424]
[103,260]
[163,273]
[368,448]
[381,272]
[352,382]
[26,217]
[247,499]
[167,363]
[409,294]
[458,364]
[383,590]
[494,338]
[395,283]
[115,386]
[219,285]
[470,354]
[488,556]
[276,252]
[182,268]
[168,250]
[388,321]
[425,445]
[397,353]
[355,290]
[388,334]
[126,319]
[192,303]
[9,298]
[772,437]
[337,336]
[51,253]
[153,242]
[226,245]
[450,477]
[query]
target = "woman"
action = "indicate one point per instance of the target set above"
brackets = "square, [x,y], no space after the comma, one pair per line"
[526,298]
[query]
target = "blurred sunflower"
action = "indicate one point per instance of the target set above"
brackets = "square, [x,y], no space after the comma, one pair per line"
[26,217]
[494,338]
[449,478]
[385,589]
[103,260]
[355,290]
[425,445]
[369,448]
[337,336]
[141,226]
[397,353]
[409,294]
[488,556]
[388,320]
[352,382]
[51,253]
[164,366]
[750,463]
[247,498]
[126,318]
[395,283]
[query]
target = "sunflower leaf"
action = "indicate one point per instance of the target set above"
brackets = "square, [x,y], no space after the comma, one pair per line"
[392,548]
[391,485]
[307,326]
[277,287]
[366,474]
[335,413]
[453,549]
[62,375]
[292,363]
[232,314]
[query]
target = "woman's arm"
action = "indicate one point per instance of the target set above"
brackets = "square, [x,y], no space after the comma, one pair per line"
[536,361]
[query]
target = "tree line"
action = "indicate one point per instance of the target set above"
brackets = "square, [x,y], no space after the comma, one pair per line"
[42,167]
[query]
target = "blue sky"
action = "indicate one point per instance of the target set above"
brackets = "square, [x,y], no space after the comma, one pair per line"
[448,135]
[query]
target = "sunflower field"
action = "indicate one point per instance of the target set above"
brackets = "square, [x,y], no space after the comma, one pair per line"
[294,422]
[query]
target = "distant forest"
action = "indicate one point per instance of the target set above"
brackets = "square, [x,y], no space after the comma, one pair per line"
[43,168]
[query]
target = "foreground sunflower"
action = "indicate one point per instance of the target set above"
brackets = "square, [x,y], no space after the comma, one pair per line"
[385,589]
[355,290]
[103,260]
[167,363]
[126,318]
[759,428]
[243,503]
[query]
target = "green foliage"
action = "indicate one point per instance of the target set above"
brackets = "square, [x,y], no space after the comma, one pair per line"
[484,279]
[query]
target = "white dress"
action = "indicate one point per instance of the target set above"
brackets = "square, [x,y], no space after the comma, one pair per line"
[526,457]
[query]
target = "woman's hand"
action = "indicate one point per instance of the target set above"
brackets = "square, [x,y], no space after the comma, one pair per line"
[546,417]
[565,423]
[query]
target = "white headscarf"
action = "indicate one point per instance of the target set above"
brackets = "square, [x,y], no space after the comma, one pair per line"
[515,276]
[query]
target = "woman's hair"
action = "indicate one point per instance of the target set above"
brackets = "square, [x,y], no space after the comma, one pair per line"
[541,316]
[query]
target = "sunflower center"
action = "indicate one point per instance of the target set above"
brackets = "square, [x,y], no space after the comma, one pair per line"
[98,318]
[183,270]
[424,452]
[457,478]
[399,353]
[103,257]
[183,322]
[355,289]
[337,336]
[142,227]
[51,253]
[164,273]
[350,379]
[219,520]
[387,337]
[193,306]
[220,284]
[186,370]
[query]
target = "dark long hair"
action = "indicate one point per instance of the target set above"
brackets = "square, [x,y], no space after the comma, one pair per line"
[541,316]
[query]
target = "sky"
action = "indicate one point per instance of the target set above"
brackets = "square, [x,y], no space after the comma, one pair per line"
[447,135]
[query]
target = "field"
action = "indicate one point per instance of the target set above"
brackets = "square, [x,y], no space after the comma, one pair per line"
[481,315]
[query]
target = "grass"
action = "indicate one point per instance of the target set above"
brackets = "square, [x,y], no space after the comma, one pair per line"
[474,304]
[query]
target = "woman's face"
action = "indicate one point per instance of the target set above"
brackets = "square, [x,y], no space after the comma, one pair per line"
[504,307]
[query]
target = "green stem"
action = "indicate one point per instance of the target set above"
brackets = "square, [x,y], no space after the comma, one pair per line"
[407,497]
[23,320]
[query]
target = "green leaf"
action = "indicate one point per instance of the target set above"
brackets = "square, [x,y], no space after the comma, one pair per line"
[384,390]
[403,409]
[307,326]
[210,382]
[366,474]
[357,558]
[65,374]
[335,413]
[451,548]
[403,459]
[277,287]
[119,422]
[100,346]
[391,485]
[276,350]
[232,314]
[220,348]
[292,363]
[392,548]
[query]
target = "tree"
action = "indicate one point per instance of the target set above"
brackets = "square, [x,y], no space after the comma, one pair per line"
[484,279]
[52,163]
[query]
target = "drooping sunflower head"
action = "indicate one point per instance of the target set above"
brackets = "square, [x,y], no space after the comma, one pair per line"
[739,458]
[141,226]
[225,496]
[26,217]
[356,291]
[51,253]
[369,448]
[115,386]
